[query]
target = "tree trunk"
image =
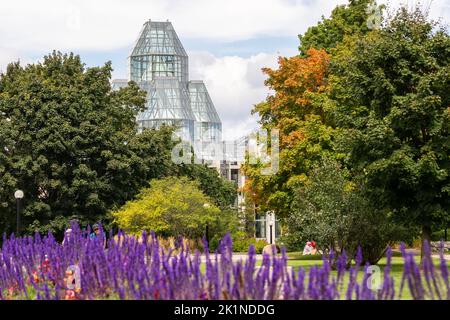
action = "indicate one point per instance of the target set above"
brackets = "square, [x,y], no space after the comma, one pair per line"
[426,236]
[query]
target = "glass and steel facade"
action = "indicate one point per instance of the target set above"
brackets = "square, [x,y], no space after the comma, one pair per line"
[158,53]
[167,103]
[119,83]
[159,65]
[207,126]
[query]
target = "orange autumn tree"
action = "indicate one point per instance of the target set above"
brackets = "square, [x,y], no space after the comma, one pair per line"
[297,83]
[299,106]
[298,109]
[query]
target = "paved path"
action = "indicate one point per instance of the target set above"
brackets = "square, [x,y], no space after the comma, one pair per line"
[434,255]
[236,257]
[446,256]
[243,256]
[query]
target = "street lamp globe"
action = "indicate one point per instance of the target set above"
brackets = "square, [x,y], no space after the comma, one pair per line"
[18,194]
[271,219]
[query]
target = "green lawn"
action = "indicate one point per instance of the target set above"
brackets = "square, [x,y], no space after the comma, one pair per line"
[296,260]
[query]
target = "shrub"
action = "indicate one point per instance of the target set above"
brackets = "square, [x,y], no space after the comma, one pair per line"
[241,243]
[259,245]
[170,207]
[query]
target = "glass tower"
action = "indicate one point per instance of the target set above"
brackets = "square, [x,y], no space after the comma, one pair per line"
[159,65]
[207,125]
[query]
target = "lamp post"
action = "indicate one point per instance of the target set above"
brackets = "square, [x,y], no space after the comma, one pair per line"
[18,195]
[206,206]
[271,219]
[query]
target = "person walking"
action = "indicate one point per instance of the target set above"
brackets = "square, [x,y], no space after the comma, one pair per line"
[98,234]
[95,231]
[67,236]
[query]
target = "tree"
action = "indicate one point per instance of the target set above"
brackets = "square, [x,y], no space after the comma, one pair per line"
[170,207]
[221,191]
[391,89]
[297,111]
[351,19]
[300,107]
[71,143]
[332,210]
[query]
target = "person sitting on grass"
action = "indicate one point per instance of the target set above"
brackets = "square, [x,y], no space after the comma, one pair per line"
[314,249]
[310,248]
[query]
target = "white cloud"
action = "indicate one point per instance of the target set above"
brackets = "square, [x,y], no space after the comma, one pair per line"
[437,9]
[108,24]
[235,85]
[31,28]
[6,56]
[100,25]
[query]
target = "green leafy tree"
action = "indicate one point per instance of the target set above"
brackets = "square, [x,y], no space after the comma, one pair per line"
[332,210]
[221,191]
[391,89]
[71,143]
[171,207]
[351,19]
[300,108]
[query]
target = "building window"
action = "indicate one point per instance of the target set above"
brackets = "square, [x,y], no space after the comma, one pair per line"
[147,68]
[277,229]
[235,175]
[260,226]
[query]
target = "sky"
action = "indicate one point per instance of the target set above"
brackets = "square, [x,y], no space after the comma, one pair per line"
[227,41]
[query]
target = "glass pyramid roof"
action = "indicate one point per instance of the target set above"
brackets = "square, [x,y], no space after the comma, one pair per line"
[158,38]
[201,103]
[158,63]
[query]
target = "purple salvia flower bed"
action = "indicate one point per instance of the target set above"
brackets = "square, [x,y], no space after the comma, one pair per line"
[140,268]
